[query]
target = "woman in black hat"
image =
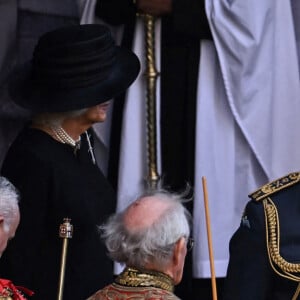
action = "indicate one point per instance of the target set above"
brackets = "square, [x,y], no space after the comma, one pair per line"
[74,72]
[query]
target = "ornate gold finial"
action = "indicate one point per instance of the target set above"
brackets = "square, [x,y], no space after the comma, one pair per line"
[65,232]
[66,229]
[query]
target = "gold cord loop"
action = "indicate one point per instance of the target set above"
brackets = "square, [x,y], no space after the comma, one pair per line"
[278,263]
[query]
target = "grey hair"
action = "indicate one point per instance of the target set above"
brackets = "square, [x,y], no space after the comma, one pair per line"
[55,119]
[154,244]
[9,202]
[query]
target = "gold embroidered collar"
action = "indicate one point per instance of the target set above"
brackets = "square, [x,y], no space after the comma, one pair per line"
[145,278]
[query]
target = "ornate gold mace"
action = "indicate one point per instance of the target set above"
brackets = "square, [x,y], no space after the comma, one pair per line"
[66,233]
[151,75]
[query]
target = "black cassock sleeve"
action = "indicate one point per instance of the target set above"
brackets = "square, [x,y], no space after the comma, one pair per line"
[188,16]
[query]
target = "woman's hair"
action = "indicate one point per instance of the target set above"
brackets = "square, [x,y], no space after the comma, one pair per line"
[55,119]
[153,244]
[9,198]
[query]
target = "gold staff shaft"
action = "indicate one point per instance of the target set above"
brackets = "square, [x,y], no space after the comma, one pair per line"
[151,75]
[62,270]
[65,232]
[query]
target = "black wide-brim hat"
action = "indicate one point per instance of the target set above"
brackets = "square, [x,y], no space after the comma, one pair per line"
[72,68]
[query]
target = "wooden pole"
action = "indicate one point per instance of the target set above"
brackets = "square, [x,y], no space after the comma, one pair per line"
[209,239]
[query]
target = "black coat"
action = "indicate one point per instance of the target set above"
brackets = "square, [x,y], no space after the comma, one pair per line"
[55,184]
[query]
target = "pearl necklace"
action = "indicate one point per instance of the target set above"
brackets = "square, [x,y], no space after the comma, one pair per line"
[64,138]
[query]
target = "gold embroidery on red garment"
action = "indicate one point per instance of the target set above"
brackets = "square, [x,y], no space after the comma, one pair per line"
[145,278]
[134,284]
[8,291]
[118,292]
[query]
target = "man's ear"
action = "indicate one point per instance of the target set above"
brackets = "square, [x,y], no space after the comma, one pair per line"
[1,220]
[179,251]
[179,254]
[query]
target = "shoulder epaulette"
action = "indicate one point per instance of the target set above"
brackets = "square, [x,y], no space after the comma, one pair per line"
[275,186]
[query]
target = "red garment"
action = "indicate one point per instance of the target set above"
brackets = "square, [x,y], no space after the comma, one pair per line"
[115,292]
[10,291]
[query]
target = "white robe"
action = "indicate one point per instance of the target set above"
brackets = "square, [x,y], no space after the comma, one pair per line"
[247,116]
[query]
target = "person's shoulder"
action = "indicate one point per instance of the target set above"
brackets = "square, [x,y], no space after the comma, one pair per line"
[275,186]
[102,294]
[10,291]
[160,294]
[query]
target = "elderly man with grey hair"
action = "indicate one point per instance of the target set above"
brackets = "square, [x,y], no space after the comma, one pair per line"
[151,238]
[9,212]
[9,222]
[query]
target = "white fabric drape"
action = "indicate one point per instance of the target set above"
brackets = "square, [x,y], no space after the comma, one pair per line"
[247,115]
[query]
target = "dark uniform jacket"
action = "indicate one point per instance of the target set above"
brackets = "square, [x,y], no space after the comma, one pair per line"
[265,250]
